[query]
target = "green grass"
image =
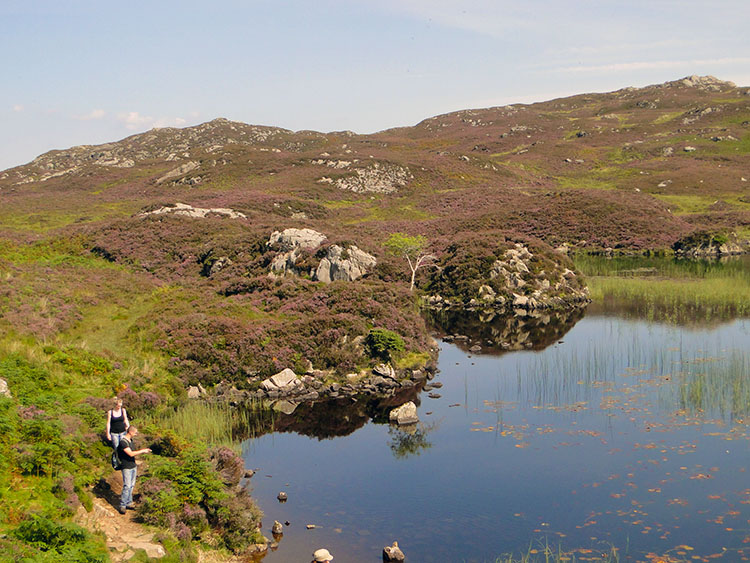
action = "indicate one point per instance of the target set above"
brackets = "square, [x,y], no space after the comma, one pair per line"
[51,219]
[213,424]
[673,290]
[667,117]
[687,204]
[584,182]
[391,213]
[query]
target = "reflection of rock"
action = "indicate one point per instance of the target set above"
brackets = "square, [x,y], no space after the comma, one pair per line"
[496,332]
[286,407]
[328,418]
[405,414]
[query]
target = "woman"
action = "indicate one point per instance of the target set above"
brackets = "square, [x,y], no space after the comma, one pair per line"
[117,423]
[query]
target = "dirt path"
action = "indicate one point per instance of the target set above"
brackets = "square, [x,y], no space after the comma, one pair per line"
[124,536]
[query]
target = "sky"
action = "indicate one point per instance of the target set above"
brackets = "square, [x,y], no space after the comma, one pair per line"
[88,72]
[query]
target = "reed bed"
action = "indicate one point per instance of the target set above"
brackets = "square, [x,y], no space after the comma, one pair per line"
[671,290]
[213,423]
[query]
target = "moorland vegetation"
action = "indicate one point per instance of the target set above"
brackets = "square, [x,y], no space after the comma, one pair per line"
[109,287]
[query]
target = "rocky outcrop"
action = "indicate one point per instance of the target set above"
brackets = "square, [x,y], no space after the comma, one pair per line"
[179,171]
[516,280]
[378,178]
[346,264]
[335,262]
[291,243]
[708,245]
[195,212]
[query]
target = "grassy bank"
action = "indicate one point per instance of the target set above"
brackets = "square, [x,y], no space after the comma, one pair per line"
[667,289]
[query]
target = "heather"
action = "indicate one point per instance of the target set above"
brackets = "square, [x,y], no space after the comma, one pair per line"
[101,296]
[53,457]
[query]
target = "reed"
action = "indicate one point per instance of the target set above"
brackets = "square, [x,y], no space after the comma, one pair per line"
[213,424]
[675,291]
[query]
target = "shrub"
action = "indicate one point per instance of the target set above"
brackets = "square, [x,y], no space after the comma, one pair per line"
[382,342]
[71,542]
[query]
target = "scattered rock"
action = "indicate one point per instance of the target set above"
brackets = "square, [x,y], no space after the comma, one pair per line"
[434,395]
[277,528]
[393,553]
[282,496]
[195,212]
[4,391]
[689,149]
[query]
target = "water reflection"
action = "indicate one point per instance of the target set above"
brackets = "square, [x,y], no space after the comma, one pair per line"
[493,332]
[409,440]
[327,418]
[629,434]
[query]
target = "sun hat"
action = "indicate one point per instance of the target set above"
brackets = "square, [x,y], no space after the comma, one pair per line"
[322,555]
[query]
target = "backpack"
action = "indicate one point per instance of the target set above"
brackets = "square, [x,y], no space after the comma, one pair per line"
[115,461]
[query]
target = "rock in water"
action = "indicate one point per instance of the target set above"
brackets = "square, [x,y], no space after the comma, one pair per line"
[393,553]
[405,414]
[277,528]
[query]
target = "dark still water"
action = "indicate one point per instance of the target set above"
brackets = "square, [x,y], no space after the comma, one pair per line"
[621,433]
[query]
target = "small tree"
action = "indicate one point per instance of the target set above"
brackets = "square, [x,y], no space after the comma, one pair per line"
[411,248]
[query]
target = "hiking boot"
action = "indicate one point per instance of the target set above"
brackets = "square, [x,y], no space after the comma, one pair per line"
[130,507]
[121,510]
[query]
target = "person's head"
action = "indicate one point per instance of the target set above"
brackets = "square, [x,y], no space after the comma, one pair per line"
[132,431]
[322,556]
[117,403]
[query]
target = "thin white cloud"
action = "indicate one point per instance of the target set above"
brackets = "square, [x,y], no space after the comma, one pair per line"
[134,121]
[92,115]
[650,65]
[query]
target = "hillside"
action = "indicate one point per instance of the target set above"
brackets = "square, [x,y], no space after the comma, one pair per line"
[205,260]
[634,169]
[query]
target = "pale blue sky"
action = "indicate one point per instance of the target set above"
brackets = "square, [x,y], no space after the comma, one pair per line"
[88,72]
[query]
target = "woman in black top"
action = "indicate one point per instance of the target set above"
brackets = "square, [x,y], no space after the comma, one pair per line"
[117,423]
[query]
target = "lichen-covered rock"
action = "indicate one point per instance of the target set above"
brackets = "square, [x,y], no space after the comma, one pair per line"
[376,178]
[334,262]
[346,264]
[195,212]
[289,239]
[285,380]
